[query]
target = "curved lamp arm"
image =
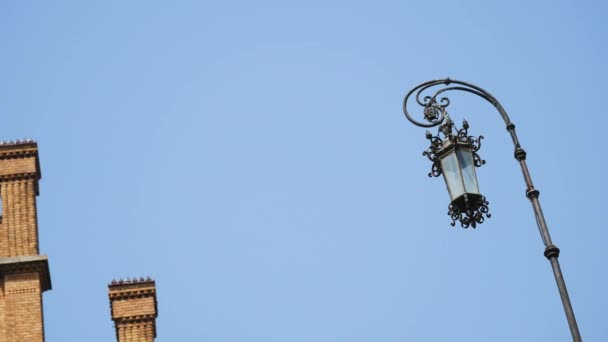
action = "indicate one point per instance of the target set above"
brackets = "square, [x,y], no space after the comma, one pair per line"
[434,113]
[432,106]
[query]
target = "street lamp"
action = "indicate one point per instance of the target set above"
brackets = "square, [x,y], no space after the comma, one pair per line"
[454,155]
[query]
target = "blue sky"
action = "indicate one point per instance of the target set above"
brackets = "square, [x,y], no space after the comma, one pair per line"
[253,158]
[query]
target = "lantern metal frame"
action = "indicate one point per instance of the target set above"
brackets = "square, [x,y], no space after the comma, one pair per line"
[435,114]
[468,208]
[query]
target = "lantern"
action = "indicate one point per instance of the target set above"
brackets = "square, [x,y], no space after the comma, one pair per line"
[456,157]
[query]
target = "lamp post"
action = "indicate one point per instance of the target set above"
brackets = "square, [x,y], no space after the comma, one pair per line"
[454,155]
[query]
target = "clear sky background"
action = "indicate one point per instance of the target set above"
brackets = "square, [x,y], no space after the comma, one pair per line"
[253,158]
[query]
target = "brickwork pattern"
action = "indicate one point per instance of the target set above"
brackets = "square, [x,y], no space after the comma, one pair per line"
[18,230]
[19,175]
[134,309]
[21,284]
[21,300]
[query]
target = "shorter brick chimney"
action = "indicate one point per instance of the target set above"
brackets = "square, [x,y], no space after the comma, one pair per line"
[134,309]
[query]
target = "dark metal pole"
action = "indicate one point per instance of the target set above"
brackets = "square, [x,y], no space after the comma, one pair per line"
[551,251]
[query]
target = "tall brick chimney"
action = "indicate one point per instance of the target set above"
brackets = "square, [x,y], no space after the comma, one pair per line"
[24,274]
[134,309]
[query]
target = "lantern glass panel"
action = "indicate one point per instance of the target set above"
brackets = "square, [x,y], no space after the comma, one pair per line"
[467,166]
[452,174]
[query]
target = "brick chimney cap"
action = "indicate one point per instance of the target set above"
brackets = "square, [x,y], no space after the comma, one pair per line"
[129,280]
[17,142]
